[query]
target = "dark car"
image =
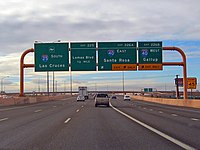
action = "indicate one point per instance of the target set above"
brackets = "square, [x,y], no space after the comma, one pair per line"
[114,97]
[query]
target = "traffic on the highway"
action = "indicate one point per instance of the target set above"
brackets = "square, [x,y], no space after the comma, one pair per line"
[126,124]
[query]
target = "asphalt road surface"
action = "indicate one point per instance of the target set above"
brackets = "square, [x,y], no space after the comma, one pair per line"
[126,125]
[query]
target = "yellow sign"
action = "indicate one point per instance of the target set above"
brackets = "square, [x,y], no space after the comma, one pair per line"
[191,83]
[150,67]
[124,67]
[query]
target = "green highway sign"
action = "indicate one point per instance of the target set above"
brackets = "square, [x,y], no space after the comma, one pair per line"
[83,56]
[148,90]
[150,55]
[51,56]
[117,56]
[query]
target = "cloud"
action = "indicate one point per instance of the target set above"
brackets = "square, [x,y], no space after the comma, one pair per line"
[22,22]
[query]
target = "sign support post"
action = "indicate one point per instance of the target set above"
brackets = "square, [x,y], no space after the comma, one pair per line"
[183,63]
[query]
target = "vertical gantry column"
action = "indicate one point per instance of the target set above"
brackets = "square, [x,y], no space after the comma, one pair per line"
[22,66]
[183,63]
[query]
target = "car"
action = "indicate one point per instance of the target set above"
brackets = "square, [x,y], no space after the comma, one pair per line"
[114,97]
[102,99]
[127,97]
[80,98]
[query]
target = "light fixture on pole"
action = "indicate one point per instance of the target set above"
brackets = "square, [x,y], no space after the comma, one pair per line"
[2,83]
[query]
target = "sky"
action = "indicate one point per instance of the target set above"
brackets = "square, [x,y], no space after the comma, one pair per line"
[174,22]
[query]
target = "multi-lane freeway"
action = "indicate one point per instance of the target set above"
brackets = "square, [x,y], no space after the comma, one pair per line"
[70,125]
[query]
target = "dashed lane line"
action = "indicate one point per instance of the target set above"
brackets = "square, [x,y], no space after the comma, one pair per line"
[66,121]
[160,112]
[173,140]
[194,119]
[3,119]
[175,115]
[77,110]
[38,111]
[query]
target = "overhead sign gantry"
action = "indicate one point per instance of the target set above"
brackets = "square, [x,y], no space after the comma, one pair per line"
[55,57]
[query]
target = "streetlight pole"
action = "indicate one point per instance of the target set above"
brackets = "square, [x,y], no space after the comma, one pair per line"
[39,85]
[53,82]
[64,90]
[123,81]
[48,83]
[70,82]
[177,87]
[2,83]
[56,86]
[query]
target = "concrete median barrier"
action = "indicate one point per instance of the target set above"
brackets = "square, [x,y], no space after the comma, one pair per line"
[29,99]
[174,102]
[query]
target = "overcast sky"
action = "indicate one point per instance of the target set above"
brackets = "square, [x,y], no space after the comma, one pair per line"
[175,22]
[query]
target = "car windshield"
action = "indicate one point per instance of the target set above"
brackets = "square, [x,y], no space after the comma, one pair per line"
[102,95]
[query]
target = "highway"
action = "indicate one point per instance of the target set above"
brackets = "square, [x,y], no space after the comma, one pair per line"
[70,125]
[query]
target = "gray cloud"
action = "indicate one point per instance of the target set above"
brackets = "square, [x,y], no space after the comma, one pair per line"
[22,22]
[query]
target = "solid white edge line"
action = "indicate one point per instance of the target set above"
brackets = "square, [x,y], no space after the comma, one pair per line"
[67,120]
[3,119]
[173,140]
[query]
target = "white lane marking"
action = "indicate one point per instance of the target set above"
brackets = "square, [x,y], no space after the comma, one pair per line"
[173,140]
[66,99]
[77,110]
[54,106]
[82,106]
[66,121]
[194,119]
[160,112]
[3,119]
[38,111]
[151,109]
[170,107]
[175,115]
[144,108]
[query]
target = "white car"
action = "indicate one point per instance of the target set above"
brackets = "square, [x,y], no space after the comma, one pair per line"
[127,97]
[80,98]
